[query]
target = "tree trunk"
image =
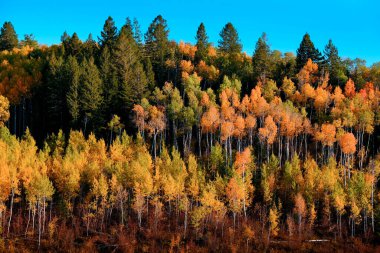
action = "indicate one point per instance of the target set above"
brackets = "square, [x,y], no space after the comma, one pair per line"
[11,210]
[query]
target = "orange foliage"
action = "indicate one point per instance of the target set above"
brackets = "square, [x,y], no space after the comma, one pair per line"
[18,78]
[322,99]
[338,95]
[269,131]
[239,125]
[242,161]
[209,72]
[187,49]
[348,143]
[186,66]
[308,91]
[140,116]
[259,106]
[299,205]
[250,122]
[326,135]
[210,120]
[170,64]
[211,51]
[305,74]
[156,121]
[205,101]
[226,131]
[349,89]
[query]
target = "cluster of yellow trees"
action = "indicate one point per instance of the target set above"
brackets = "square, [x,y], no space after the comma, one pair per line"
[286,189]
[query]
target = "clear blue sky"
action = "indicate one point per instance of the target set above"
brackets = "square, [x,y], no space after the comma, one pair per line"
[353,25]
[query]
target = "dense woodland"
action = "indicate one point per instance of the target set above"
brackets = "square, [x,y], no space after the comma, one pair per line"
[137,143]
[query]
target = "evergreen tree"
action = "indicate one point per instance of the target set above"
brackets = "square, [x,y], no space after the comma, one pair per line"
[90,91]
[109,82]
[334,65]
[130,72]
[149,73]
[8,37]
[89,48]
[57,87]
[73,47]
[72,96]
[261,59]
[137,32]
[229,40]
[306,51]
[157,46]
[108,36]
[202,43]
[65,38]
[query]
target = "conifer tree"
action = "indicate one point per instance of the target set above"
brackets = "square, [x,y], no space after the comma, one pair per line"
[108,35]
[260,59]
[90,91]
[229,40]
[72,97]
[307,51]
[8,37]
[202,43]
[334,64]
[157,46]
[130,72]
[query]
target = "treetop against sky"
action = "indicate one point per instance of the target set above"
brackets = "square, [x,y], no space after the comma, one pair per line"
[353,25]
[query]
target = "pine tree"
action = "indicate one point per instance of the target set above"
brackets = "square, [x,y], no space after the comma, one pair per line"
[260,59]
[8,37]
[72,96]
[202,43]
[89,48]
[109,34]
[334,64]
[109,81]
[229,40]
[307,51]
[58,80]
[130,71]
[151,83]
[74,45]
[137,32]
[90,91]
[157,46]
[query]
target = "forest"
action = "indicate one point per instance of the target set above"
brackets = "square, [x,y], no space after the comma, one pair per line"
[134,142]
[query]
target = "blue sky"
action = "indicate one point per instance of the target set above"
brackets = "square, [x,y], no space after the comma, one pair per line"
[353,25]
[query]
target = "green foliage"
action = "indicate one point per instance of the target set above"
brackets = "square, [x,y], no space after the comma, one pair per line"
[202,44]
[270,89]
[157,46]
[229,40]
[130,73]
[72,96]
[307,51]
[90,89]
[334,64]
[234,84]
[217,160]
[108,35]
[8,37]
[260,59]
